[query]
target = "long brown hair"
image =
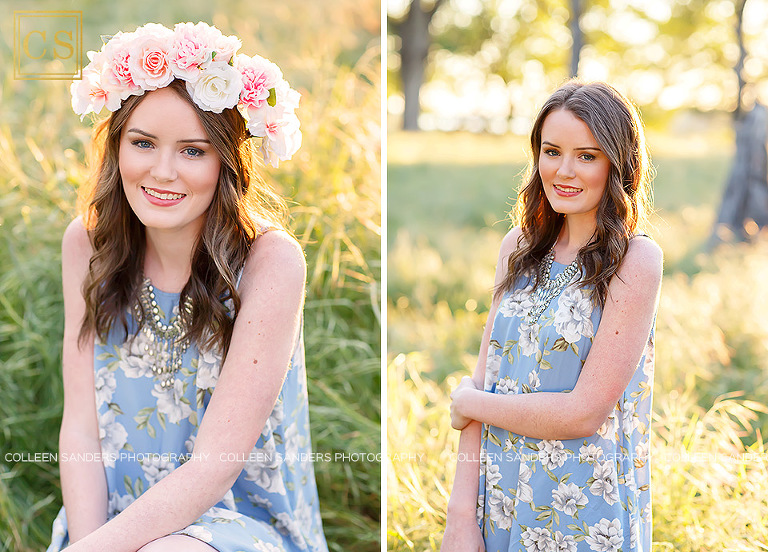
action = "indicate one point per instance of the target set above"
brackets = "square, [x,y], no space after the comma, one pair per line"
[118,237]
[623,210]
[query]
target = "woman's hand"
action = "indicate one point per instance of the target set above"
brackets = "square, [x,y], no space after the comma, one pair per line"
[458,420]
[462,534]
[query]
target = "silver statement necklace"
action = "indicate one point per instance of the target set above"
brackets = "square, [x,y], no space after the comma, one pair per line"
[166,343]
[549,288]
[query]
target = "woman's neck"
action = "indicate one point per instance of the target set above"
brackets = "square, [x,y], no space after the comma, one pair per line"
[576,232]
[168,259]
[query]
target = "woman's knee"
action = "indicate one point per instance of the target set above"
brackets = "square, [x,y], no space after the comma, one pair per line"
[176,543]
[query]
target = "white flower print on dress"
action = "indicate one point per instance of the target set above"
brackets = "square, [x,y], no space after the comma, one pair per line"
[529,338]
[564,543]
[605,536]
[573,317]
[263,546]
[265,468]
[641,452]
[608,429]
[492,365]
[552,454]
[537,539]
[118,503]
[517,304]
[590,453]
[105,384]
[288,526]
[567,498]
[605,483]
[533,381]
[222,513]
[229,501]
[135,360]
[113,437]
[198,532]
[208,365]
[156,467]
[492,475]
[507,386]
[480,508]
[524,489]
[170,403]
[502,508]
[629,419]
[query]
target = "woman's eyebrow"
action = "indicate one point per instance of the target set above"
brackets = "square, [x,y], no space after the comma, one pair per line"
[545,142]
[148,135]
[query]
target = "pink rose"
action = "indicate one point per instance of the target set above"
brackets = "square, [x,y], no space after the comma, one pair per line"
[148,58]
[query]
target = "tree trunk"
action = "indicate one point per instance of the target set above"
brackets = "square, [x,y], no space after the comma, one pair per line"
[414,47]
[744,209]
[577,36]
[739,67]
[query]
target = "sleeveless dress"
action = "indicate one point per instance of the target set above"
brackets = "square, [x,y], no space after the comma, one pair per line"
[147,432]
[569,495]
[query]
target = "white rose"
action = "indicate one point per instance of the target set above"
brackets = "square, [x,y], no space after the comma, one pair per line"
[217,89]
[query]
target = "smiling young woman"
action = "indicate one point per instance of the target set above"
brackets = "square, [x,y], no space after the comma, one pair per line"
[185,399]
[556,419]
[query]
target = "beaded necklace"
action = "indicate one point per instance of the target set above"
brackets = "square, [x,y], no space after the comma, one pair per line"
[548,288]
[167,343]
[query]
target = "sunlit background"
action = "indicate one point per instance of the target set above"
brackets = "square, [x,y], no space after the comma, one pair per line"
[331,53]
[489,65]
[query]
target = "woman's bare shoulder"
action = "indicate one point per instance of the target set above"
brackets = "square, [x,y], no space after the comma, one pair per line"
[275,254]
[511,242]
[76,241]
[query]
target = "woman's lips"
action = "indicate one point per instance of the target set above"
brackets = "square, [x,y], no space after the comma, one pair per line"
[566,191]
[163,198]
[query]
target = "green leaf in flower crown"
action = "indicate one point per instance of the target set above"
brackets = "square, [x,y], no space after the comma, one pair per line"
[272,100]
[213,55]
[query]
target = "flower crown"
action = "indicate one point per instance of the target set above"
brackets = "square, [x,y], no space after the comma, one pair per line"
[216,77]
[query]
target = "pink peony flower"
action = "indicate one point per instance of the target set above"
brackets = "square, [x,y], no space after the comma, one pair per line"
[259,76]
[280,133]
[117,74]
[88,94]
[191,49]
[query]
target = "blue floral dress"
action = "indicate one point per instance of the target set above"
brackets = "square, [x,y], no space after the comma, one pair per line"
[569,495]
[146,432]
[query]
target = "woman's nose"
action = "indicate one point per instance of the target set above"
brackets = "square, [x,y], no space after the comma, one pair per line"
[566,168]
[163,169]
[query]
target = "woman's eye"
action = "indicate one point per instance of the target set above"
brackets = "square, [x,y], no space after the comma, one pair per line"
[193,152]
[550,152]
[587,157]
[142,144]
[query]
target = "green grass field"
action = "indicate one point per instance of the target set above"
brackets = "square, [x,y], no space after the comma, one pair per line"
[448,195]
[333,184]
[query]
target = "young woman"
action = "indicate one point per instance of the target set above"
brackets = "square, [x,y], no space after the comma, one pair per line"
[179,279]
[559,407]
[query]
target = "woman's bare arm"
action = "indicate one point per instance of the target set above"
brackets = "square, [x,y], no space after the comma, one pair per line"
[463,501]
[616,351]
[272,293]
[83,481]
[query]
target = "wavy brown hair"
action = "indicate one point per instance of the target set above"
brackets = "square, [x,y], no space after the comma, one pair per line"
[117,236]
[623,210]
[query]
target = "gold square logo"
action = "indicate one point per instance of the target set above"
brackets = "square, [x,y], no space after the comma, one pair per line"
[48,45]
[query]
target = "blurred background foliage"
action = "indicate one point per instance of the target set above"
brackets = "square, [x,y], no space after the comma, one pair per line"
[330,52]
[489,65]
